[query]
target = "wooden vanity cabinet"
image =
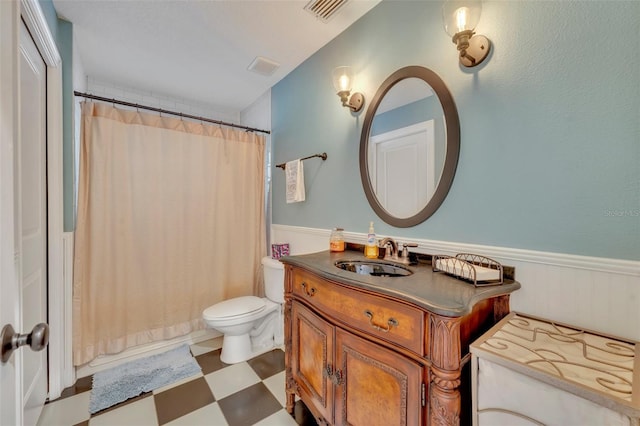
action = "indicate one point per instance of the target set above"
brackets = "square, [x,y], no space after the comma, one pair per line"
[356,356]
[349,380]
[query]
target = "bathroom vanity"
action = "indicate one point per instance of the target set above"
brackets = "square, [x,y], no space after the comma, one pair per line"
[383,350]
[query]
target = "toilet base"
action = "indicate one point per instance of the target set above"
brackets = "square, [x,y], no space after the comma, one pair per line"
[237,349]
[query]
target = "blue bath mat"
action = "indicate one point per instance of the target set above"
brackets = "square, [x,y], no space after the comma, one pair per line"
[128,380]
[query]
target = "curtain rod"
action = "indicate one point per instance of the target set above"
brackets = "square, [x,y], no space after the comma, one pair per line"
[164,111]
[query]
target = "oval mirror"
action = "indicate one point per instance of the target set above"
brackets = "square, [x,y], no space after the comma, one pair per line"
[409,146]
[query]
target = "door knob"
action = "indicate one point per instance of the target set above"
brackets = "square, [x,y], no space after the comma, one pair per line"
[37,340]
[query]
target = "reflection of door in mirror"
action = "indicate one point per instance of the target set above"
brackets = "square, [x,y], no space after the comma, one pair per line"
[407,148]
[403,162]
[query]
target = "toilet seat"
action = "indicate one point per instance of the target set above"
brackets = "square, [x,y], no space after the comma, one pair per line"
[238,307]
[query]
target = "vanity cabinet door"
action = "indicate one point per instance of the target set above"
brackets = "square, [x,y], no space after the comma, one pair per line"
[312,360]
[375,386]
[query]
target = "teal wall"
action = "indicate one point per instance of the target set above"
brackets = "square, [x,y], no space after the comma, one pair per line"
[550,133]
[62,32]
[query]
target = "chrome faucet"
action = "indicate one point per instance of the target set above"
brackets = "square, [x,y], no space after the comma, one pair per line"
[404,258]
[391,253]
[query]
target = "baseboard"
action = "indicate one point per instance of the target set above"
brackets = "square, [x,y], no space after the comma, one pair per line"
[107,361]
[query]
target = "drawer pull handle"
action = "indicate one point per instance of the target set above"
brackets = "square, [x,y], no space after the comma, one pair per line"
[310,291]
[391,322]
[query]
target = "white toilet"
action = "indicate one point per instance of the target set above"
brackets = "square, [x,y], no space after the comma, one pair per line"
[251,325]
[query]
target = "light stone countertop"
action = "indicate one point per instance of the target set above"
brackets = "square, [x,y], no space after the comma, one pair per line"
[435,291]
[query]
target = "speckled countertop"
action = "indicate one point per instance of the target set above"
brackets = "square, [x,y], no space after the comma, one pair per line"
[435,291]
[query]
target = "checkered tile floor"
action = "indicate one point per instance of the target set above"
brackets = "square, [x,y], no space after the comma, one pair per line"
[248,393]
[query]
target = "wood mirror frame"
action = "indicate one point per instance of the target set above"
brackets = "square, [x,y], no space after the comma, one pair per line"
[452,126]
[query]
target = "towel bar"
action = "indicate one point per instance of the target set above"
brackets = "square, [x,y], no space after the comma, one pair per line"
[323,156]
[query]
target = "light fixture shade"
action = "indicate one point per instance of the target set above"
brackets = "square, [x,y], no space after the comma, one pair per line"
[461,15]
[342,79]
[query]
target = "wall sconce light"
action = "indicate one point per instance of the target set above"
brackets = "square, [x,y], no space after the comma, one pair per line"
[342,81]
[460,19]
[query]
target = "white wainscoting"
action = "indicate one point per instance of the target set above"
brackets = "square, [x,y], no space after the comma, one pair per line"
[600,294]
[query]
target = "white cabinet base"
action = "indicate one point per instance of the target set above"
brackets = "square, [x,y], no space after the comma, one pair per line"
[508,398]
[531,372]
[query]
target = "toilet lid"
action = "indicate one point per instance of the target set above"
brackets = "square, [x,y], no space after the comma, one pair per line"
[237,306]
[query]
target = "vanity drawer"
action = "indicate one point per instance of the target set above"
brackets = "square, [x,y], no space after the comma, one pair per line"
[384,318]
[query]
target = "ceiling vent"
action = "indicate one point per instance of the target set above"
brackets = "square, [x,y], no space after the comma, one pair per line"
[264,66]
[324,9]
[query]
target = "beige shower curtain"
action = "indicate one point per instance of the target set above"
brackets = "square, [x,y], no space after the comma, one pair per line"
[170,221]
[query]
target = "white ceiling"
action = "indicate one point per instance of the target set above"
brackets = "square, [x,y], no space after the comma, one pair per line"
[199,50]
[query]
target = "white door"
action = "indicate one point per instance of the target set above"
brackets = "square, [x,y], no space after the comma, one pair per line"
[8,289]
[412,150]
[23,289]
[31,231]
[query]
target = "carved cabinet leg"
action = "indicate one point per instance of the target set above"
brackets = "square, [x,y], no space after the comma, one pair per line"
[290,394]
[445,398]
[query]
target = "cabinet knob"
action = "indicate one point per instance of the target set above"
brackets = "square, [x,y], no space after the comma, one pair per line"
[391,322]
[328,371]
[337,378]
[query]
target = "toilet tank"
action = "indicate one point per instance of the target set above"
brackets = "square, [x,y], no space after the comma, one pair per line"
[273,279]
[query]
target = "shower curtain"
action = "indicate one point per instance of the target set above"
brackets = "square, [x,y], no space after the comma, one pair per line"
[170,221]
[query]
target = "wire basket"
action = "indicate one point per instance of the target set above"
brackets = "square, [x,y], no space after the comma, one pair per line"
[476,269]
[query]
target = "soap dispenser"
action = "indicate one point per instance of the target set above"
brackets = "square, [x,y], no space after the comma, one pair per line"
[371,249]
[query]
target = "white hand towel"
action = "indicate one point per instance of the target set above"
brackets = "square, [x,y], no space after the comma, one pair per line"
[295,181]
